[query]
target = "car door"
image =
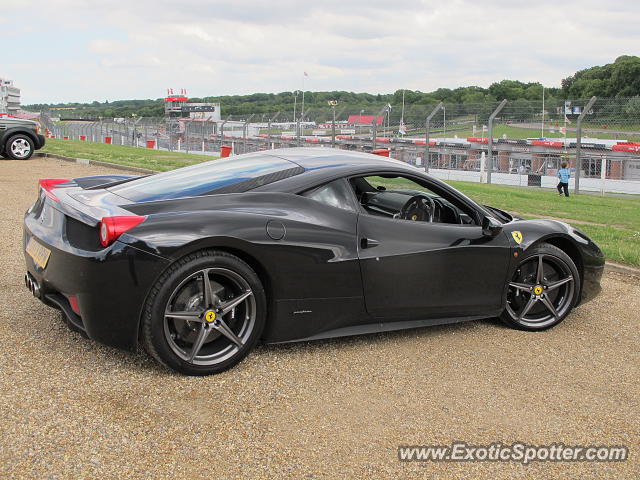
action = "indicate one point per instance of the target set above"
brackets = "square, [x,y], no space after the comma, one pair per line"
[419,270]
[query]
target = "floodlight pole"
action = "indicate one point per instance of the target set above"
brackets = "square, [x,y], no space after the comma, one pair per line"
[490,139]
[332,104]
[579,142]
[427,153]
[333,127]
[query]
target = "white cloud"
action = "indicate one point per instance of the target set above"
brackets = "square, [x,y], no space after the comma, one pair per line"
[105,45]
[110,50]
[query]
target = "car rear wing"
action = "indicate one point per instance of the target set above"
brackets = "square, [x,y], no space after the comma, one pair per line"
[86,206]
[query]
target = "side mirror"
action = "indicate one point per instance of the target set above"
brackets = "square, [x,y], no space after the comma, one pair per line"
[491,227]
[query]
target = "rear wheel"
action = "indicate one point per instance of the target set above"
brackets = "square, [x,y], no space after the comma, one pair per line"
[543,290]
[204,314]
[19,147]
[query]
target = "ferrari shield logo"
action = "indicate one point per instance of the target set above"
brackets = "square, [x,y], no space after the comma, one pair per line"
[517,236]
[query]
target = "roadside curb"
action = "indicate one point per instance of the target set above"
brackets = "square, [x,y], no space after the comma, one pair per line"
[619,268]
[98,163]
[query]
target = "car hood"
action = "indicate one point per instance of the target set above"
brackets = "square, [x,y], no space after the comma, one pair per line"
[16,122]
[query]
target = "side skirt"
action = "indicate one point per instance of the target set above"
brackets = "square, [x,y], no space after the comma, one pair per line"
[383,327]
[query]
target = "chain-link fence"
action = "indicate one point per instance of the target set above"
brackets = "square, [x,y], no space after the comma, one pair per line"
[511,142]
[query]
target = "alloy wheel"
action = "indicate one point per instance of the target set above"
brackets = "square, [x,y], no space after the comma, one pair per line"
[541,291]
[209,316]
[20,148]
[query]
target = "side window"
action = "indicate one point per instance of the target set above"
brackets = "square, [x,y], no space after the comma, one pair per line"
[334,194]
[402,198]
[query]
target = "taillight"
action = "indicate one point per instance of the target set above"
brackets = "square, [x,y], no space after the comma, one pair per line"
[47,184]
[112,227]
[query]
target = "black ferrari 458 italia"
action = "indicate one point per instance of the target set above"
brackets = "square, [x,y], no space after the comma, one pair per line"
[199,264]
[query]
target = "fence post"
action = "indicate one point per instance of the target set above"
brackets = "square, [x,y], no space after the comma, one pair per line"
[603,175]
[272,119]
[490,139]
[579,142]
[427,153]
[245,132]
[269,144]
[222,132]
[374,130]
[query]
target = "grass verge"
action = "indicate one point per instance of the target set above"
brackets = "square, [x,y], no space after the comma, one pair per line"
[612,222]
[129,156]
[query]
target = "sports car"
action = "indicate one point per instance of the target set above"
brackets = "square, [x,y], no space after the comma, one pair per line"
[199,264]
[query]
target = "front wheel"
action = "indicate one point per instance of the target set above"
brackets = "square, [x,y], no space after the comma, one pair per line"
[19,147]
[204,314]
[543,290]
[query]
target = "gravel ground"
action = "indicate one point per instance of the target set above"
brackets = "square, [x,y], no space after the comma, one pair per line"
[71,408]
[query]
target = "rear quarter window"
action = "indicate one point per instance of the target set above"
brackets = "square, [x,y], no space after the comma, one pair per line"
[229,175]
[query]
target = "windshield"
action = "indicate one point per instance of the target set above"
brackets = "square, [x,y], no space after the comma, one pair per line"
[229,175]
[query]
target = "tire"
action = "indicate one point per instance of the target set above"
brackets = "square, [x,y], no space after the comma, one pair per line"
[540,299]
[198,333]
[19,147]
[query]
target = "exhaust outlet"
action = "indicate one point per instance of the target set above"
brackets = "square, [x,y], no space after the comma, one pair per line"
[32,285]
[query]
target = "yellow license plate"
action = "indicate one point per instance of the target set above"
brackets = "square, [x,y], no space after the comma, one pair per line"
[39,253]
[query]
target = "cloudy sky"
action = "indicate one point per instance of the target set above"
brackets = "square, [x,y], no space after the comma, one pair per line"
[84,50]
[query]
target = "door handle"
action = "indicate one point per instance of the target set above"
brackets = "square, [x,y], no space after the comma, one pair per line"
[368,242]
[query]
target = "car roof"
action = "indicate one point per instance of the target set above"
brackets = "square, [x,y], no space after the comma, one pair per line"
[326,164]
[312,158]
[289,170]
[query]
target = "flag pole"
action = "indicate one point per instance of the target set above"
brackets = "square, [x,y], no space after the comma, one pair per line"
[542,126]
[402,114]
[401,130]
[302,114]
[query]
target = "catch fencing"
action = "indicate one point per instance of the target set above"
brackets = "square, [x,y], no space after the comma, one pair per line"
[510,142]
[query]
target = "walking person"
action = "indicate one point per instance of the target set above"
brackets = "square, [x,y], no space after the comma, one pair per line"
[563,175]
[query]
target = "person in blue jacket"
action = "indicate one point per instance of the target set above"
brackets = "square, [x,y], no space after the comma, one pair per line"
[563,175]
